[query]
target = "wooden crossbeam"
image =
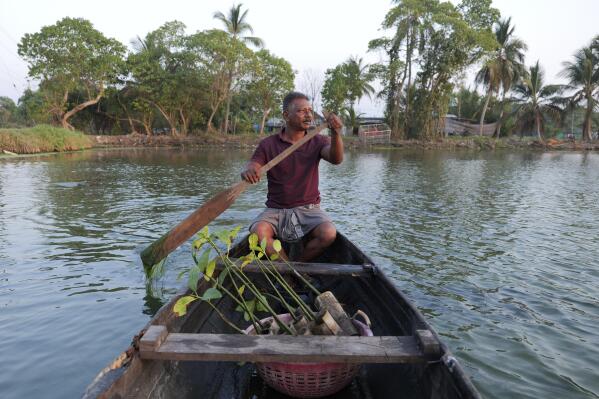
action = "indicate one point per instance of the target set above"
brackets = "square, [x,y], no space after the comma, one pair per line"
[309,268]
[157,344]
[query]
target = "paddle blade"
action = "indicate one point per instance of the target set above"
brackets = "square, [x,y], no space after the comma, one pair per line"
[190,225]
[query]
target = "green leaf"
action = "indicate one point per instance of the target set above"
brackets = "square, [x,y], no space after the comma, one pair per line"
[224,237]
[202,262]
[247,259]
[181,274]
[211,293]
[239,308]
[233,233]
[222,276]
[263,244]
[260,255]
[204,233]
[253,240]
[241,289]
[251,305]
[199,242]
[274,256]
[246,316]
[276,244]
[194,276]
[210,270]
[180,307]
[260,307]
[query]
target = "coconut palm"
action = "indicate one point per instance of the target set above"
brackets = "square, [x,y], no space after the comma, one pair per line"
[583,77]
[503,68]
[535,101]
[236,25]
[358,79]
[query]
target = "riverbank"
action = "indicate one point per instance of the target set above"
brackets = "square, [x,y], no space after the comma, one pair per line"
[46,138]
[42,138]
[251,140]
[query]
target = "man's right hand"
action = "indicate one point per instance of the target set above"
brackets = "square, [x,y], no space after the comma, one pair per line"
[251,174]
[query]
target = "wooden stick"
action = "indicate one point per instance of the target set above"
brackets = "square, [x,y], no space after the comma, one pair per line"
[166,244]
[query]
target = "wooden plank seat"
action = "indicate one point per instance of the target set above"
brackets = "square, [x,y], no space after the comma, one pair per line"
[158,344]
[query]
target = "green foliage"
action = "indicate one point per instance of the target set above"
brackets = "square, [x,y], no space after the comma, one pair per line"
[502,67]
[583,82]
[233,282]
[8,112]
[335,90]
[68,56]
[271,79]
[32,108]
[439,41]
[466,103]
[344,86]
[534,101]
[42,138]
[180,307]
[236,25]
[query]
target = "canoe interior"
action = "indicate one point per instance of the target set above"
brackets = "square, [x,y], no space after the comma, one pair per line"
[368,291]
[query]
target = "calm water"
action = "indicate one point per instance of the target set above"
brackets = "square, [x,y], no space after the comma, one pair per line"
[499,251]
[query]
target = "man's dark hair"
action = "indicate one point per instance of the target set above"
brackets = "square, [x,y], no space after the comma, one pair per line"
[292,96]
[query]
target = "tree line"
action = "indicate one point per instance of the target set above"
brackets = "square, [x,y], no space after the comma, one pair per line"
[225,80]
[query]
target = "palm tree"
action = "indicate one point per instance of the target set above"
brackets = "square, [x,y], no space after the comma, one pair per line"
[534,100]
[583,76]
[358,81]
[236,26]
[503,68]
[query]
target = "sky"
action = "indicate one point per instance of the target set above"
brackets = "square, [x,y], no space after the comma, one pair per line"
[312,35]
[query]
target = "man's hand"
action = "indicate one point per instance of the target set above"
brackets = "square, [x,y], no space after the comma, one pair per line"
[334,122]
[251,174]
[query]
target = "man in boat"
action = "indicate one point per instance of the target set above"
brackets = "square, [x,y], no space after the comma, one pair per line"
[293,200]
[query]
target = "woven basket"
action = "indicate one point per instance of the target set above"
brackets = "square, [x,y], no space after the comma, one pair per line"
[308,380]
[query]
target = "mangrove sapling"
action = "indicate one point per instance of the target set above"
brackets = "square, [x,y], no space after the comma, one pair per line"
[240,285]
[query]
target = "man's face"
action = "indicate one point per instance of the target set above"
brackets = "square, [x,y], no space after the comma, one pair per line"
[299,114]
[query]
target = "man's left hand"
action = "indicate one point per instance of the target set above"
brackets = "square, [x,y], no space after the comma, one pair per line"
[334,122]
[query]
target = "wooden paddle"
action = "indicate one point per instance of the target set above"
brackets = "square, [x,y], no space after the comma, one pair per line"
[210,210]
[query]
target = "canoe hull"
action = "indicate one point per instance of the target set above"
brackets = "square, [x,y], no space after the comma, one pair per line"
[357,284]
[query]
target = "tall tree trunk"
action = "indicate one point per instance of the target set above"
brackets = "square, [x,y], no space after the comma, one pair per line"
[131,125]
[148,127]
[69,114]
[209,124]
[169,119]
[184,122]
[588,120]
[482,116]
[228,106]
[499,121]
[394,94]
[538,124]
[264,116]
[410,51]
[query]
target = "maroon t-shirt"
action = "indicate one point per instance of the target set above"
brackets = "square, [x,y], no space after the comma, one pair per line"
[294,181]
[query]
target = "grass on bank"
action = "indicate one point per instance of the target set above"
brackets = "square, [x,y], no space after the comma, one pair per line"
[42,138]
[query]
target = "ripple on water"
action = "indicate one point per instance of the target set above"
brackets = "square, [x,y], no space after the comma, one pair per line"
[498,251]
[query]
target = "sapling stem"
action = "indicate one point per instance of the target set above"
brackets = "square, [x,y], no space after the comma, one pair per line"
[222,316]
[305,308]
[253,289]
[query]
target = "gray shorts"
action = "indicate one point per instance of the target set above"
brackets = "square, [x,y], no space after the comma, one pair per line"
[294,223]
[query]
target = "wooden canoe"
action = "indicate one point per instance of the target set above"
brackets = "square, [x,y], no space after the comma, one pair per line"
[357,283]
